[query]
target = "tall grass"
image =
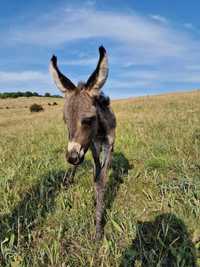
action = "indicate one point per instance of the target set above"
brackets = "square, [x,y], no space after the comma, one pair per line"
[153,195]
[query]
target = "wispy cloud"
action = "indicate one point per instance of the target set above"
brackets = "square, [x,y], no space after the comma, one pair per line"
[22,76]
[159,18]
[139,37]
[25,80]
[188,26]
[133,30]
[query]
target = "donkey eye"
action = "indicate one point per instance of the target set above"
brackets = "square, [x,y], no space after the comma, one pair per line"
[88,121]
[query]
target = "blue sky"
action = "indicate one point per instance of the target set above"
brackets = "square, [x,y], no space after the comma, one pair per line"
[153,46]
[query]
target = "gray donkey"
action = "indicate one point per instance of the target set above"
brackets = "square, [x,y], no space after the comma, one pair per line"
[91,124]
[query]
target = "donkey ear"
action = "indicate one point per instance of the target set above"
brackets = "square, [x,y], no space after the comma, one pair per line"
[99,76]
[62,82]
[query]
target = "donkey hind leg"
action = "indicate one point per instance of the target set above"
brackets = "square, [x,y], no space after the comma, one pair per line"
[96,150]
[100,188]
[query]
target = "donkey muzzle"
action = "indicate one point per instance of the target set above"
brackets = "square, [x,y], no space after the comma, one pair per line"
[75,153]
[74,158]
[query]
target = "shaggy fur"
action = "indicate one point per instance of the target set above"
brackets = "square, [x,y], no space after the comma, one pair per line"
[91,124]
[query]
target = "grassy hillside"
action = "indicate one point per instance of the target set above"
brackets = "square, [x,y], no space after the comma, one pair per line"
[153,196]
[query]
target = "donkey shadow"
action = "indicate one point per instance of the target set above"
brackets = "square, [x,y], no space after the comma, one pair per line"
[164,242]
[36,203]
[119,169]
[39,201]
[32,210]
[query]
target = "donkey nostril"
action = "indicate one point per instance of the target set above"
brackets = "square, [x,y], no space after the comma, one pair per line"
[73,157]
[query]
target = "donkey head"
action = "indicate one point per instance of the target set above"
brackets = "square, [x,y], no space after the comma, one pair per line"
[80,112]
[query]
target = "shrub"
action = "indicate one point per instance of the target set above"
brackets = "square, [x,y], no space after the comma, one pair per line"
[47,94]
[36,108]
[55,103]
[28,94]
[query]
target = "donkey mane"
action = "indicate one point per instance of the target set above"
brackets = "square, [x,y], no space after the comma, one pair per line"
[103,100]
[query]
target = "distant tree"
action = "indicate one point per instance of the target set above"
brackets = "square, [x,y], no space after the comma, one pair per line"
[6,95]
[20,94]
[35,94]
[58,96]
[14,95]
[47,94]
[28,94]
[24,94]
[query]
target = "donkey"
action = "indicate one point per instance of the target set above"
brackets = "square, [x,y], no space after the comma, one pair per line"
[91,124]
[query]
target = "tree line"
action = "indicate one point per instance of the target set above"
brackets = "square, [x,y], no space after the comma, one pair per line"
[25,94]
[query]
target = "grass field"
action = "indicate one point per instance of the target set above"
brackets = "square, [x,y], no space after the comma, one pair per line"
[153,196]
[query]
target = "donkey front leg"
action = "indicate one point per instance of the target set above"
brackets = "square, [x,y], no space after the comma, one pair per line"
[100,188]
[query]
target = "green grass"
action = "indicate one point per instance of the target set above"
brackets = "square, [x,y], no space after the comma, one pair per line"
[152,199]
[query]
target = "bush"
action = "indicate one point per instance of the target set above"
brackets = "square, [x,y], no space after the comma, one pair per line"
[55,103]
[36,108]
[47,94]
[28,94]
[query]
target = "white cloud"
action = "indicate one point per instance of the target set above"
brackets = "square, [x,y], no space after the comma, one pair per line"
[136,32]
[159,18]
[188,26]
[23,76]
[26,80]
[137,39]
[195,67]
[156,78]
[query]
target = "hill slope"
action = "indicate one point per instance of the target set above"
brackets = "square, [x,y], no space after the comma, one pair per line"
[153,198]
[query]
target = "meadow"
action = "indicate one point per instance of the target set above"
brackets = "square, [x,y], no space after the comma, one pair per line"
[153,195]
